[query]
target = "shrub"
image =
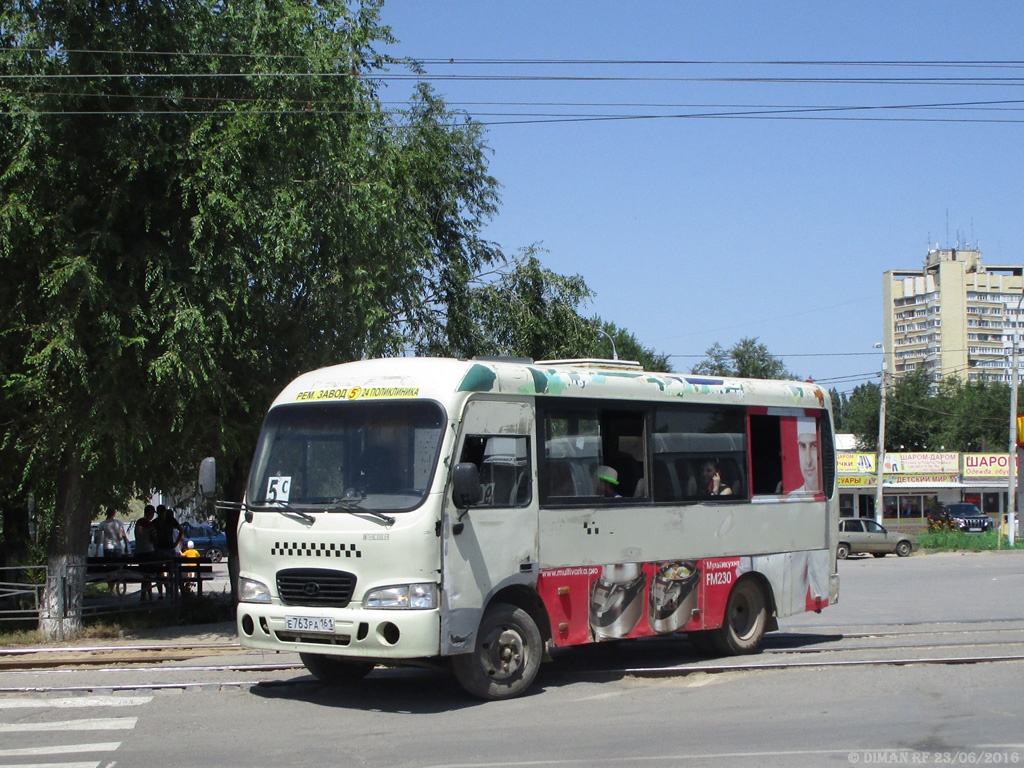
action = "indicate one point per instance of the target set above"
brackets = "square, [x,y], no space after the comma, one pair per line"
[946,540]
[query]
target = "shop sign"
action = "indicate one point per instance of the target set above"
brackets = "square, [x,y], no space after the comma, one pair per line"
[852,463]
[856,481]
[933,479]
[980,465]
[922,463]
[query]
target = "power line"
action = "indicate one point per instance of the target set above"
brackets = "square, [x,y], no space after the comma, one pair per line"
[897,63]
[421,77]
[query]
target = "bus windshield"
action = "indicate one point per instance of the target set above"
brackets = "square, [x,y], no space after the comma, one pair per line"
[341,456]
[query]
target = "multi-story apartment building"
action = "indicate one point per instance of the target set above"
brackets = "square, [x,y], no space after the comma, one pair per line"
[955,317]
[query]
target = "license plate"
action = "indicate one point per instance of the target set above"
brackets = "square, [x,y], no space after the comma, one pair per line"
[971,530]
[309,623]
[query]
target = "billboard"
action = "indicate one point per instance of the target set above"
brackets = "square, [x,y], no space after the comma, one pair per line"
[986,465]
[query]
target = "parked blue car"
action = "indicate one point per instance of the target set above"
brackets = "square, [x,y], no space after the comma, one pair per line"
[208,541]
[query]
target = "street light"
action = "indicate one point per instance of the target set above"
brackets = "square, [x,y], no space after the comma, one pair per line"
[880,460]
[615,355]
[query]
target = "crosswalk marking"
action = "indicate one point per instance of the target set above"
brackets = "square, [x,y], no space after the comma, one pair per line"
[64,749]
[76,702]
[93,724]
[13,755]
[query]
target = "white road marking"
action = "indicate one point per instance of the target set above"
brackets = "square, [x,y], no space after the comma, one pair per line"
[74,751]
[65,749]
[93,724]
[77,702]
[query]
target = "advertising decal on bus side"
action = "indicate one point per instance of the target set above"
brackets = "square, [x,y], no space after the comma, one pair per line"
[628,600]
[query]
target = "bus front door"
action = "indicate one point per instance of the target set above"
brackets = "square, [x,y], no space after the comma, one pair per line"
[492,546]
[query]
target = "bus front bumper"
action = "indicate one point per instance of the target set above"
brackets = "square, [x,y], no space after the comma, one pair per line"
[358,633]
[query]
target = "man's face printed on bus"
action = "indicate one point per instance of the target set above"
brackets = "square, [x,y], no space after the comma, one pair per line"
[807,445]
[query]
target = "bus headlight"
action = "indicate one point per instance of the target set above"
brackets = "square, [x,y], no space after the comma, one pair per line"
[417,596]
[252,591]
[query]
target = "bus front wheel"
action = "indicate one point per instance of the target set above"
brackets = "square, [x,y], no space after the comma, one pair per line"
[506,657]
[333,670]
[746,616]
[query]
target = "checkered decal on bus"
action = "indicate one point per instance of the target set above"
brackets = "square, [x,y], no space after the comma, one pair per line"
[302,549]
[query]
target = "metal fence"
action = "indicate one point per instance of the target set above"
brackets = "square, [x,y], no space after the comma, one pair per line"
[21,592]
[23,599]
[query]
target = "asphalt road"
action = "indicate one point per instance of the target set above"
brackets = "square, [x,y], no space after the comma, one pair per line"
[920,663]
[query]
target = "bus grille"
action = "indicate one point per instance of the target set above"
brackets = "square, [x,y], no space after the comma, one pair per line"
[315,586]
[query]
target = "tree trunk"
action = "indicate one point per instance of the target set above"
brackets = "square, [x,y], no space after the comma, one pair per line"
[234,490]
[60,617]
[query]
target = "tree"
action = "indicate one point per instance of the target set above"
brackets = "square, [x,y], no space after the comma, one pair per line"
[747,358]
[972,416]
[528,311]
[910,415]
[184,231]
[838,406]
[860,415]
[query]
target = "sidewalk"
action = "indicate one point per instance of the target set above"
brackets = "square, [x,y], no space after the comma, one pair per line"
[199,634]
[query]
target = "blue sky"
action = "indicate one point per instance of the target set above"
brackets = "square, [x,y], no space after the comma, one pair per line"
[692,231]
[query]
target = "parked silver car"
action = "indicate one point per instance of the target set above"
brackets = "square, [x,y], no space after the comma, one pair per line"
[862,534]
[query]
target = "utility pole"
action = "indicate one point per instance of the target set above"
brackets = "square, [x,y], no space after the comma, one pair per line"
[880,459]
[1011,495]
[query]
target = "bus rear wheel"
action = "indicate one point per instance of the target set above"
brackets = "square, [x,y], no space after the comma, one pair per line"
[746,616]
[333,670]
[506,657]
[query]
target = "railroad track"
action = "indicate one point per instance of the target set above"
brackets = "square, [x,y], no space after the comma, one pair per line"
[92,656]
[790,650]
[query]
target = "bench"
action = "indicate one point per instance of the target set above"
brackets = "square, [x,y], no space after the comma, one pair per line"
[177,574]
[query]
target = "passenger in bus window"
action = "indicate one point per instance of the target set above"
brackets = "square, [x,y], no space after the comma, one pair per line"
[606,480]
[714,484]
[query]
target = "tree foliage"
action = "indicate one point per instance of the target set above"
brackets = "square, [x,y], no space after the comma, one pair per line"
[748,358]
[197,201]
[838,408]
[529,311]
[627,347]
[200,200]
[860,416]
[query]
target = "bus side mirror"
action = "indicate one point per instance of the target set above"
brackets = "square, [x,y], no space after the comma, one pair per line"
[466,483]
[208,477]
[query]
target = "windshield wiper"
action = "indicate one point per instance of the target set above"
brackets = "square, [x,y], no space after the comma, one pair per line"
[285,508]
[353,505]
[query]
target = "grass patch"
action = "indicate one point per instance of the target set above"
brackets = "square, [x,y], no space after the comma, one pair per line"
[208,609]
[958,541]
[20,638]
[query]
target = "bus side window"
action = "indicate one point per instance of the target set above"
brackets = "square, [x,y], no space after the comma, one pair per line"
[504,466]
[560,479]
[765,454]
[688,439]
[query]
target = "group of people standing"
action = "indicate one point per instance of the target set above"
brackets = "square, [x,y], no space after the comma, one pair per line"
[158,536]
